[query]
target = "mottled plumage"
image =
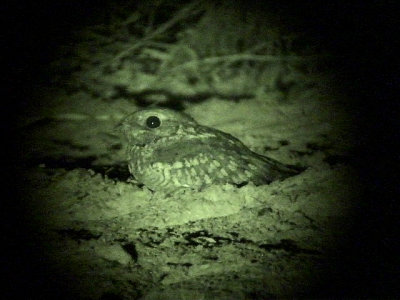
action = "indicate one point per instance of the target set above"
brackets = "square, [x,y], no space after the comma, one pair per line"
[168,150]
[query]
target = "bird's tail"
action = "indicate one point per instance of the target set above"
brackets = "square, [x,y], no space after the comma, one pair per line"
[275,170]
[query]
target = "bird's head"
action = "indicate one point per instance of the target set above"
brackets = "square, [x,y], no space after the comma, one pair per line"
[149,125]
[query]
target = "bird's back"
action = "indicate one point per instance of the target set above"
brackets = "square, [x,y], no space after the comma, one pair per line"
[201,157]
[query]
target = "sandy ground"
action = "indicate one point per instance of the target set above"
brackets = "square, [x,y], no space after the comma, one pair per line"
[100,235]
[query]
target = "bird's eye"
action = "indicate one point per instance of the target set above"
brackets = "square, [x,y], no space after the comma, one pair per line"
[153,122]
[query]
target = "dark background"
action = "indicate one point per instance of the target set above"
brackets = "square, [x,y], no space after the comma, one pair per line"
[362,34]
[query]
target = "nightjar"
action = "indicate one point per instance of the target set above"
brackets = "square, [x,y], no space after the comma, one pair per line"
[168,150]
